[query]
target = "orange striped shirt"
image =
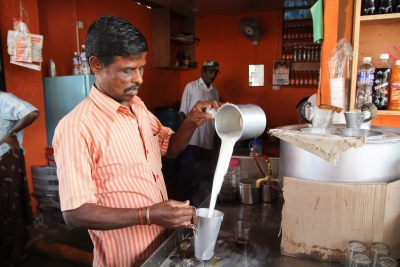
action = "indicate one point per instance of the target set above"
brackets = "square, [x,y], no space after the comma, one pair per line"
[108,156]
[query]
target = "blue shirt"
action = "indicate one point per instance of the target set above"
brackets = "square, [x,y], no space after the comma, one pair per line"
[12,109]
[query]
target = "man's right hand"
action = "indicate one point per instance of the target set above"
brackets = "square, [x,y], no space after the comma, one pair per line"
[172,214]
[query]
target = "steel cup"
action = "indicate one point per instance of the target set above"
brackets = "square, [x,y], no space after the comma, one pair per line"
[353,119]
[206,233]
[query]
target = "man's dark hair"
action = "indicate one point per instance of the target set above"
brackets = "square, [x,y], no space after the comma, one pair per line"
[111,36]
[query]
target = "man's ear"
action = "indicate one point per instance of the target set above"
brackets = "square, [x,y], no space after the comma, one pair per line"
[95,64]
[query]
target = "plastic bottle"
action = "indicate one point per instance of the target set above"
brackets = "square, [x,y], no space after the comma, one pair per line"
[394,92]
[230,185]
[76,63]
[368,7]
[380,92]
[85,69]
[256,146]
[365,82]
[385,6]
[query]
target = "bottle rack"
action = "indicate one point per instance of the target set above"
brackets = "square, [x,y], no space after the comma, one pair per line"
[298,45]
[371,34]
[304,78]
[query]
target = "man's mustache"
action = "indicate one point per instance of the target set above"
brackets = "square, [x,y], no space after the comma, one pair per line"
[133,87]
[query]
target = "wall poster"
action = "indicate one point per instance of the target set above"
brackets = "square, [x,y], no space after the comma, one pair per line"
[280,74]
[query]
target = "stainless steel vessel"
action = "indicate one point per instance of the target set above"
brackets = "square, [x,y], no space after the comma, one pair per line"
[377,161]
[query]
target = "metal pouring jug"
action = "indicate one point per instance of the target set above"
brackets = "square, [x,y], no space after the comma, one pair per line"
[244,121]
[319,115]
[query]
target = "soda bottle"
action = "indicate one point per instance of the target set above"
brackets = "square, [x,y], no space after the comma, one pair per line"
[394,93]
[85,69]
[385,6]
[365,82]
[380,92]
[76,63]
[368,7]
[396,7]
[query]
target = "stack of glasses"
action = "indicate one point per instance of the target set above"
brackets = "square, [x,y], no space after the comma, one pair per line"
[230,185]
[357,255]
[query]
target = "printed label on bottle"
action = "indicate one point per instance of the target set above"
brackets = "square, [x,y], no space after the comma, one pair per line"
[395,92]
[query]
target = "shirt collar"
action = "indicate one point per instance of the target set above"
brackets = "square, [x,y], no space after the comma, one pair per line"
[205,86]
[107,104]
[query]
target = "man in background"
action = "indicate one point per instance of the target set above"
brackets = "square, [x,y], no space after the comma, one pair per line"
[16,233]
[198,164]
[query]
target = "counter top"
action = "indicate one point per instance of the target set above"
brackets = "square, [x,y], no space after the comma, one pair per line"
[264,248]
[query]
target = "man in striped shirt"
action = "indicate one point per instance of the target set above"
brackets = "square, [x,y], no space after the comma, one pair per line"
[108,153]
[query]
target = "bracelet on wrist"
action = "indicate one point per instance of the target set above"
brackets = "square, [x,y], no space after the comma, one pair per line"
[140,216]
[148,215]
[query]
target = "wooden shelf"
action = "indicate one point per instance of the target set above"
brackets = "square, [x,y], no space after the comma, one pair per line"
[380,19]
[371,35]
[166,47]
[388,112]
[300,86]
[180,42]
[177,68]
[305,61]
[308,40]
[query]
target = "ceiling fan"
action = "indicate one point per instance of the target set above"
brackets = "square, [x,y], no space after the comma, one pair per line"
[251,28]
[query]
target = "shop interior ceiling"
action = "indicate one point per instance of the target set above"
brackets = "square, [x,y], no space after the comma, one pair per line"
[211,8]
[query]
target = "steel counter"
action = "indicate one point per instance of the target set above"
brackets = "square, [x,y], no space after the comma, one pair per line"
[264,249]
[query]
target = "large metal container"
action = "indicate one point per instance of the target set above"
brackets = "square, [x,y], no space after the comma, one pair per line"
[377,161]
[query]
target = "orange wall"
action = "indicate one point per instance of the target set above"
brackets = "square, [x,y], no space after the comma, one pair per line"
[221,40]
[25,84]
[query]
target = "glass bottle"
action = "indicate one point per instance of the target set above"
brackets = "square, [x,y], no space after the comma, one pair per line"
[301,34]
[186,61]
[291,78]
[301,78]
[305,78]
[290,52]
[284,52]
[296,78]
[300,53]
[295,52]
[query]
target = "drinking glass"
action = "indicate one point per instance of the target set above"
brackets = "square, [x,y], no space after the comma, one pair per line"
[386,261]
[242,231]
[377,249]
[354,246]
[360,260]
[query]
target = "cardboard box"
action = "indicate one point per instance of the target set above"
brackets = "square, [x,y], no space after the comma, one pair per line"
[320,218]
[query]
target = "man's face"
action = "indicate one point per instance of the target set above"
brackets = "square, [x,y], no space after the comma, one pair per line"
[121,79]
[208,76]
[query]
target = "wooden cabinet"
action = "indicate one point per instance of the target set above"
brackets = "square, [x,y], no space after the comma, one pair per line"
[298,46]
[371,36]
[165,48]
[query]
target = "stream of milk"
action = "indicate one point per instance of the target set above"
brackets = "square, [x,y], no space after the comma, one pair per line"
[227,143]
